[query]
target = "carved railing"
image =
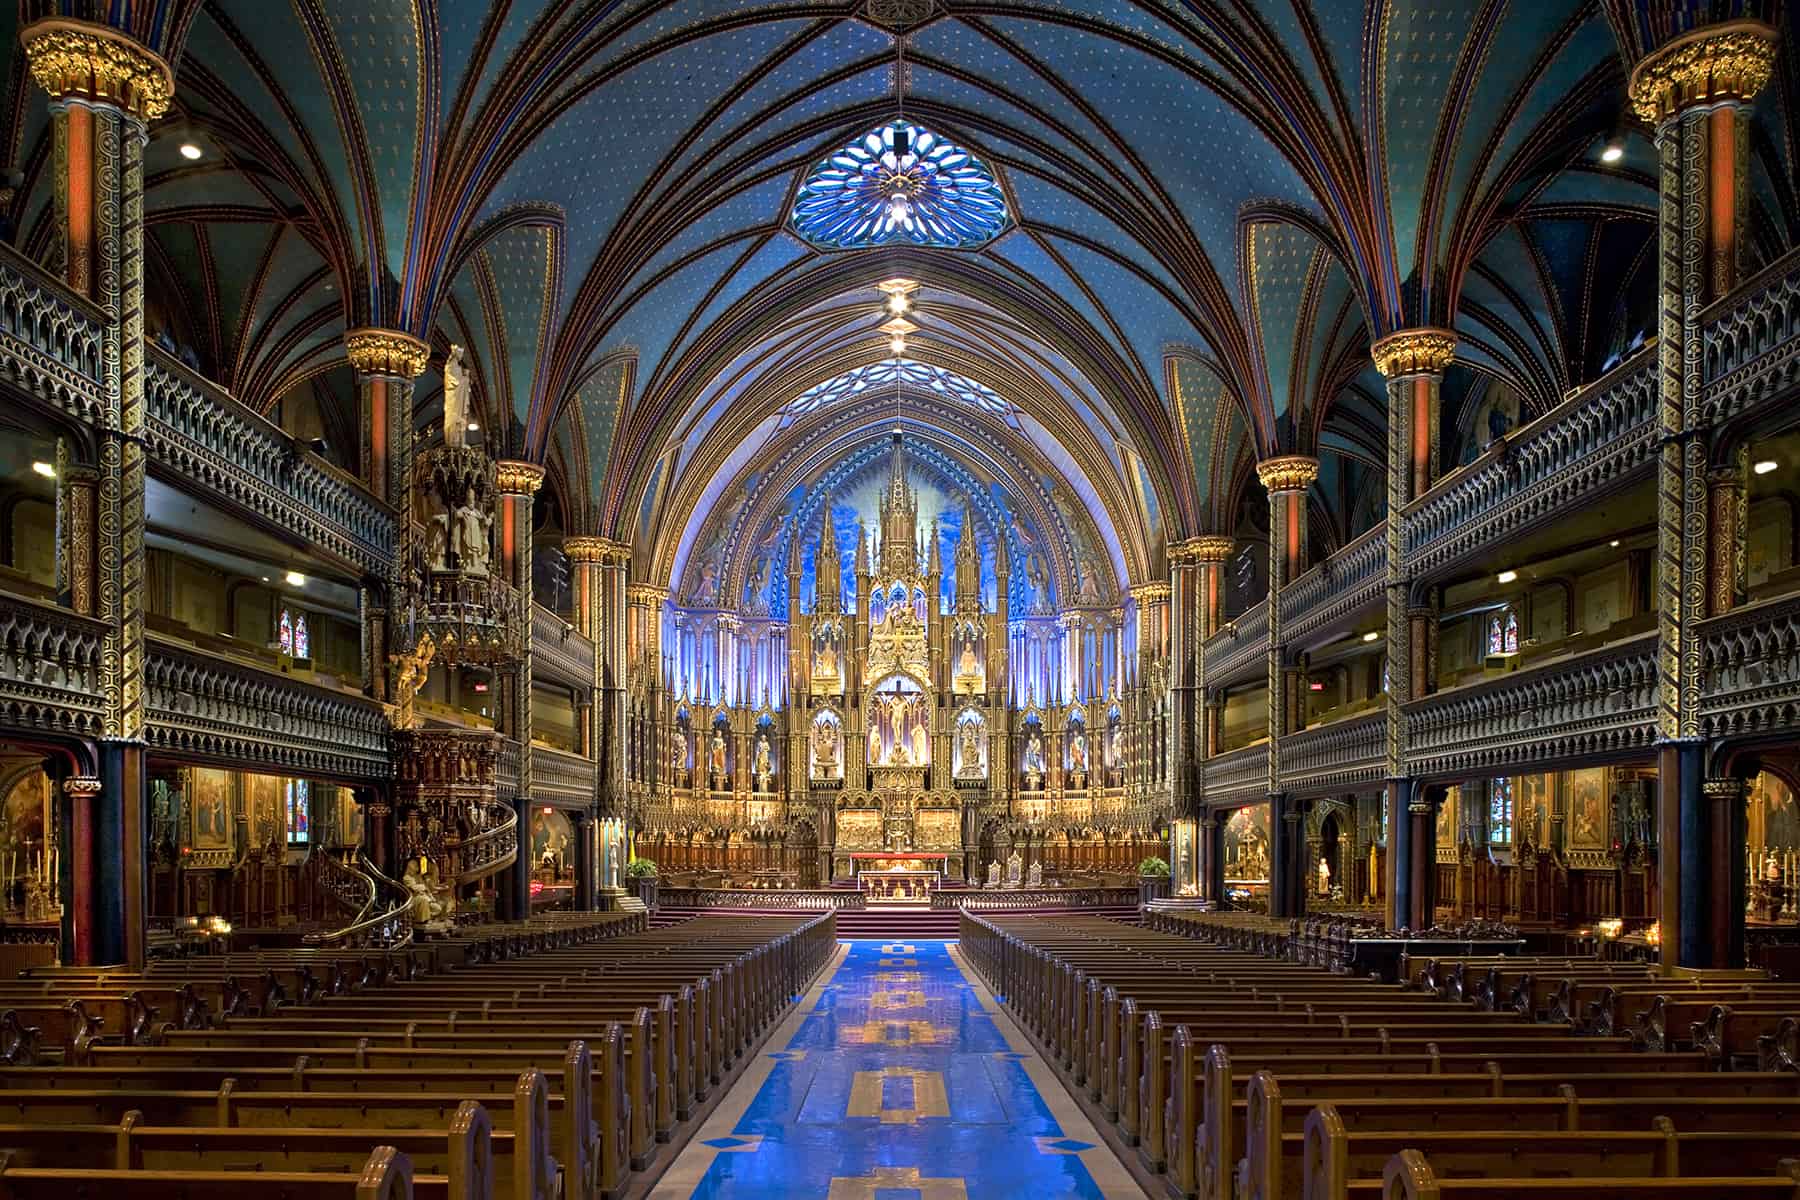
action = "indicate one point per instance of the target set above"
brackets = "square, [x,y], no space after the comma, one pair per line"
[1590,442]
[1003,900]
[1751,342]
[201,435]
[796,899]
[1239,648]
[1334,590]
[1238,775]
[50,669]
[1597,704]
[1341,756]
[209,707]
[558,774]
[494,848]
[506,768]
[51,341]
[383,908]
[558,652]
[1750,669]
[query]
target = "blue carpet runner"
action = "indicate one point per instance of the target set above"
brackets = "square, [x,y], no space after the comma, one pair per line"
[898,1084]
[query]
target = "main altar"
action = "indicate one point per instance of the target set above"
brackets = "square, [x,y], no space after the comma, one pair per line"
[891,877]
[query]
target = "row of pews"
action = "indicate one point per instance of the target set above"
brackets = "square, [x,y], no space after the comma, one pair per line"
[542,1061]
[1242,1075]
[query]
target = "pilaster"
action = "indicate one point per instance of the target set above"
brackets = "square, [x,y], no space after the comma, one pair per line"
[515,484]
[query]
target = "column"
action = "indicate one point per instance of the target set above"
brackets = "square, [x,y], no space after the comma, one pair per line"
[385,362]
[104,91]
[1413,362]
[78,535]
[81,794]
[585,875]
[515,483]
[1695,91]
[1287,479]
[610,665]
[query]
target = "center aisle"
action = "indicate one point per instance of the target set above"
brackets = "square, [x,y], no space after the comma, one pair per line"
[898,1076]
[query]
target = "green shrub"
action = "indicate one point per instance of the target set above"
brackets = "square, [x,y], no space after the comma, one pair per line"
[1154,866]
[645,868]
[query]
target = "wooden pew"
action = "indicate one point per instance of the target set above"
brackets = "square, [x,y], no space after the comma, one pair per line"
[1409,1176]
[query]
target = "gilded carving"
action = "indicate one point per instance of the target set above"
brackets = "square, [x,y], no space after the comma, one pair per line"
[515,478]
[1421,351]
[1725,62]
[95,63]
[386,352]
[1287,473]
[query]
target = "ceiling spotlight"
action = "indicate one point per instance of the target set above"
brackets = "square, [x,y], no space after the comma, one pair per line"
[897,344]
[1614,543]
[1765,466]
[1613,152]
[296,579]
[1508,576]
[191,151]
[898,303]
[47,470]
[265,579]
[1371,636]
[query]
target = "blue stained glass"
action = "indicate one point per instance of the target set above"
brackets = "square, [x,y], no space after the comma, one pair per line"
[870,194]
[881,374]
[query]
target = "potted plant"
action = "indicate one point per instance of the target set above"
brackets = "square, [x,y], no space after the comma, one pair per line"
[642,873]
[1153,879]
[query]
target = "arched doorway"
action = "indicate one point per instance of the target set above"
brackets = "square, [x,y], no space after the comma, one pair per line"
[1331,854]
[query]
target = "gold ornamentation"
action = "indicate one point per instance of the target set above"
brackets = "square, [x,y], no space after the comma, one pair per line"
[1423,351]
[1288,473]
[1206,548]
[1730,61]
[1150,593]
[588,548]
[386,352]
[411,671]
[91,62]
[514,477]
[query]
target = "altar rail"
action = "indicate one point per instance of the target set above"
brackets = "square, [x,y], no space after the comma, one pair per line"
[1006,900]
[200,704]
[787,900]
[1240,649]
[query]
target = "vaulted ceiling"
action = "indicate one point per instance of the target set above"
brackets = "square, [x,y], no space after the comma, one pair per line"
[1212,207]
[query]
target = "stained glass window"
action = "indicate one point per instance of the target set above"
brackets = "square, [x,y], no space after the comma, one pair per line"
[285,632]
[299,805]
[1500,812]
[880,376]
[1503,632]
[900,184]
[302,638]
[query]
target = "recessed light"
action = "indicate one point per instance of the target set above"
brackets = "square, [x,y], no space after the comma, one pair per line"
[265,579]
[1765,466]
[1613,153]
[47,470]
[474,426]
[1508,576]
[898,303]
[296,579]
[191,151]
[1614,543]
[1371,636]
[897,345]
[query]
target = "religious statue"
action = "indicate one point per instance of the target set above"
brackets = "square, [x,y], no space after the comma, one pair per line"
[715,750]
[1034,760]
[456,398]
[1324,877]
[969,747]
[762,762]
[826,665]
[921,746]
[825,747]
[439,534]
[1038,592]
[472,540]
[967,667]
[1078,753]
[875,747]
[430,906]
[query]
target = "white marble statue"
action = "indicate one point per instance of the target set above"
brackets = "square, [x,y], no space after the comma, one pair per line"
[472,539]
[763,769]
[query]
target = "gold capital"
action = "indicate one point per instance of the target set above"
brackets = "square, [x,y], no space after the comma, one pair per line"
[1288,472]
[1728,61]
[513,477]
[74,59]
[386,352]
[1206,548]
[1422,351]
[588,548]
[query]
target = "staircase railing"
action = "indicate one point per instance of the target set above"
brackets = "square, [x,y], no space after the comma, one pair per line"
[383,907]
[494,848]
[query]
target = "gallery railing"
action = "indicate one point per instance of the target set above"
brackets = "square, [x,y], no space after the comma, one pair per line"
[50,667]
[558,652]
[1238,776]
[1750,668]
[201,435]
[1335,589]
[558,774]
[1587,706]
[1240,648]
[1339,756]
[506,768]
[1004,900]
[1751,342]
[210,707]
[51,341]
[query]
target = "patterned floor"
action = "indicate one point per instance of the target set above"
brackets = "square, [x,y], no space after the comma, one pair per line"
[897,1080]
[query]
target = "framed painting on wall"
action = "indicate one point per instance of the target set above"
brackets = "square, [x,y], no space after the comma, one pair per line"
[1589,808]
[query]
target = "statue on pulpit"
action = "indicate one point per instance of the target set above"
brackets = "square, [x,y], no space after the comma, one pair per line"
[1324,877]
[456,397]
[1015,869]
[439,545]
[430,907]
[472,540]
[716,760]
[763,769]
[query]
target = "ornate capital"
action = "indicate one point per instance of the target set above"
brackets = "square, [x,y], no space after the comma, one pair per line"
[76,60]
[1288,473]
[646,593]
[1727,787]
[81,787]
[386,352]
[1725,62]
[592,549]
[514,477]
[1423,351]
[1206,548]
[1150,593]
